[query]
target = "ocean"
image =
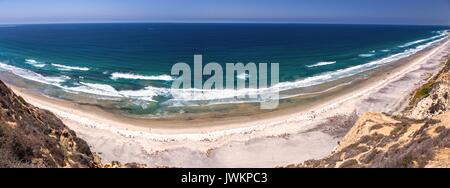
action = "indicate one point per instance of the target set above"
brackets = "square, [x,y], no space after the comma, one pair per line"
[126,67]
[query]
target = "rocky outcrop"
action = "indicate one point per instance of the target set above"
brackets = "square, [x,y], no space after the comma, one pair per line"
[420,137]
[432,98]
[36,138]
[32,137]
[380,141]
[116,164]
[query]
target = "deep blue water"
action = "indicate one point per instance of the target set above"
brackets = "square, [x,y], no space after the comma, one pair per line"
[84,57]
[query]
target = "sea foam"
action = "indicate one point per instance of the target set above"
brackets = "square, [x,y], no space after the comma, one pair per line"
[366,55]
[440,34]
[94,89]
[118,75]
[321,64]
[35,63]
[145,94]
[331,76]
[69,68]
[30,75]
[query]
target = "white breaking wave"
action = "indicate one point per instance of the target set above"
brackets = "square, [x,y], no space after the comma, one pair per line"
[322,64]
[30,75]
[412,43]
[88,88]
[95,89]
[57,79]
[35,63]
[335,75]
[68,68]
[366,55]
[440,34]
[185,96]
[146,94]
[118,75]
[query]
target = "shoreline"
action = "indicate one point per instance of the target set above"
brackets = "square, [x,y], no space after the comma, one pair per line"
[174,125]
[126,141]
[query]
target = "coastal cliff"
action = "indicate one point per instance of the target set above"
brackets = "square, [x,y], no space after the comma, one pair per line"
[419,137]
[35,138]
[32,137]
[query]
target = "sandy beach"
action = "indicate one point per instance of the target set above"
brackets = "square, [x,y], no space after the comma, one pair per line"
[287,136]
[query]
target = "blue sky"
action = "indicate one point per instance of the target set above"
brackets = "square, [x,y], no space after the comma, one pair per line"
[430,12]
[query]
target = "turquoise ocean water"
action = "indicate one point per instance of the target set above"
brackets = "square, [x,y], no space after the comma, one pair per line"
[131,63]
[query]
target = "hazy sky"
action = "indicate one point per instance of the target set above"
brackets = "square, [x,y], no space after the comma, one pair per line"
[309,11]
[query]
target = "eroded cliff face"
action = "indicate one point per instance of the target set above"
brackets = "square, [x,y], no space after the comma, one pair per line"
[432,98]
[420,137]
[379,141]
[32,137]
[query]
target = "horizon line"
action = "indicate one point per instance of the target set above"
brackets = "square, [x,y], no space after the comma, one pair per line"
[217,22]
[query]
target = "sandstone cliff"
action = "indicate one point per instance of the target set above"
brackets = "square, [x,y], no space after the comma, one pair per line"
[420,137]
[32,137]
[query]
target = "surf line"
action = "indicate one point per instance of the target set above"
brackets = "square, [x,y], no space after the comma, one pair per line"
[255,86]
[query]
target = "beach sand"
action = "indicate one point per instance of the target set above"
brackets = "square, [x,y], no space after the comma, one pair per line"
[286,136]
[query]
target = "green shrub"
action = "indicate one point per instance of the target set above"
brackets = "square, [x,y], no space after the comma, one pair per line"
[423,92]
